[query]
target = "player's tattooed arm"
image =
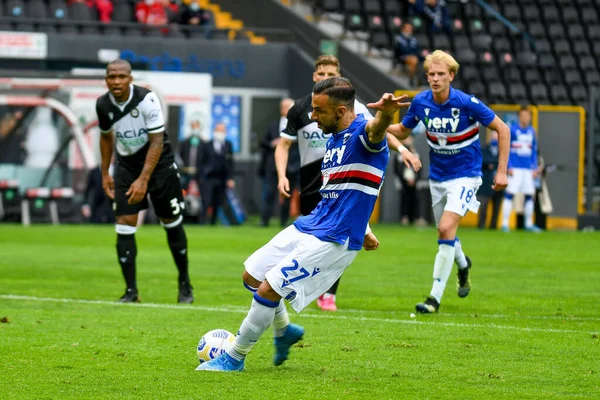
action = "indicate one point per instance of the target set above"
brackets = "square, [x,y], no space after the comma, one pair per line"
[137,190]
[386,107]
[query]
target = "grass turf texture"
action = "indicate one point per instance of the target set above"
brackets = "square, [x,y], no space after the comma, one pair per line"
[529,328]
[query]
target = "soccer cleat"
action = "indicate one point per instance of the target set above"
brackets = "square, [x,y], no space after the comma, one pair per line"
[429,306]
[534,229]
[223,363]
[292,335]
[326,302]
[130,296]
[463,282]
[186,294]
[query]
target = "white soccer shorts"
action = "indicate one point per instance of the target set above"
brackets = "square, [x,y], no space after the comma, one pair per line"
[456,195]
[298,266]
[521,181]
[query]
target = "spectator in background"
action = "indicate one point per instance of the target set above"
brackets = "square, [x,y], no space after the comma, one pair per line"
[11,149]
[408,51]
[105,10]
[485,193]
[97,207]
[42,139]
[408,191]
[267,169]
[155,12]
[216,163]
[435,13]
[193,14]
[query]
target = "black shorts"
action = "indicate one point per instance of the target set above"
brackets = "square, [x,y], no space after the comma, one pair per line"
[164,189]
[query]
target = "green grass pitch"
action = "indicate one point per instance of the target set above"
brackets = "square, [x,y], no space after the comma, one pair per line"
[529,328]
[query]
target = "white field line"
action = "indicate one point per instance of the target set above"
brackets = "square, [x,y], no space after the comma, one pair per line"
[240,310]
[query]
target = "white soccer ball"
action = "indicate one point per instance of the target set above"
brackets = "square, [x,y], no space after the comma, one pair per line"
[214,343]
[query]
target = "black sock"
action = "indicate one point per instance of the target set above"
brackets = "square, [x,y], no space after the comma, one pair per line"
[178,244]
[127,251]
[333,288]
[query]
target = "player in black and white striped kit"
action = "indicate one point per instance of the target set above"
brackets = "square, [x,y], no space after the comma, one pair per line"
[312,145]
[145,164]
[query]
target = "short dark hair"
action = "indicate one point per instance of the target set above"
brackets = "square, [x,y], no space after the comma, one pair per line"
[119,62]
[339,90]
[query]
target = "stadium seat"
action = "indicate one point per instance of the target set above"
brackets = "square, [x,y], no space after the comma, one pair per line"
[496,28]
[592,78]
[562,47]
[572,77]
[123,12]
[532,75]
[556,31]
[477,89]
[10,201]
[15,8]
[441,42]
[331,6]
[567,62]
[375,23]
[392,8]
[550,14]
[461,42]
[587,63]
[423,40]
[502,45]
[512,75]
[490,73]
[466,56]
[581,47]
[539,93]
[517,93]
[546,61]
[475,27]
[394,24]
[352,7]
[542,46]
[570,16]
[537,30]
[481,42]
[57,9]
[380,40]
[593,32]
[80,12]
[36,9]
[372,7]
[526,59]
[575,32]
[589,16]
[512,12]
[531,13]
[354,22]
[579,94]
[559,94]
[470,73]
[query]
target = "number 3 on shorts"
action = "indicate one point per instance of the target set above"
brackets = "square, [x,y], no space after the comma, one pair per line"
[175,206]
[467,196]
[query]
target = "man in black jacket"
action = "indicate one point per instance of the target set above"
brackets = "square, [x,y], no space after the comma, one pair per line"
[216,171]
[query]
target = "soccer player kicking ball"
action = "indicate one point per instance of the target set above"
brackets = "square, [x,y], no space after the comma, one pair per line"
[145,165]
[302,261]
[452,119]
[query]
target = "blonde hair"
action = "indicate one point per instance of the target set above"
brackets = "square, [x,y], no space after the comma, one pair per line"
[327,59]
[440,56]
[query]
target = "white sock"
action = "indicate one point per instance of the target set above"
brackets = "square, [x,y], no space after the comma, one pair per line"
[281,321]
[442,268]
[528,211]
[459,255]
[258,320]
[506,210]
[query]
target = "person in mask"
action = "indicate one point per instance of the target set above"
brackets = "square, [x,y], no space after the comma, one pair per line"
[485,193]
[216,172]
[193,14]
[407,51]
[42,139]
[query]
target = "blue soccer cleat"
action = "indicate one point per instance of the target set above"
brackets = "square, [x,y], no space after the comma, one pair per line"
[534,229]
[223,363]
[293,333]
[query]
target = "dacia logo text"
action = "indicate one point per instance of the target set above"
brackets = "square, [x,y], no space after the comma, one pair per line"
[336,153]
[443,123]
[131,134]
[315,135]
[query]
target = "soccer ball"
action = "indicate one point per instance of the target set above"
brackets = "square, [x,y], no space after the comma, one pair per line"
[214,343]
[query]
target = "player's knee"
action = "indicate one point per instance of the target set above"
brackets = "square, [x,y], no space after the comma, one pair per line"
[128,220]
[266,292]
[446,231]
[250,283]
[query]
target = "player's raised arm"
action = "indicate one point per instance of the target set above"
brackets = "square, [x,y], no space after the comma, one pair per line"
[500,179]
[386,107]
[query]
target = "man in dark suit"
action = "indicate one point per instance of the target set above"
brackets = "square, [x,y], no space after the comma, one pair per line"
[267,168]
[216,172]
